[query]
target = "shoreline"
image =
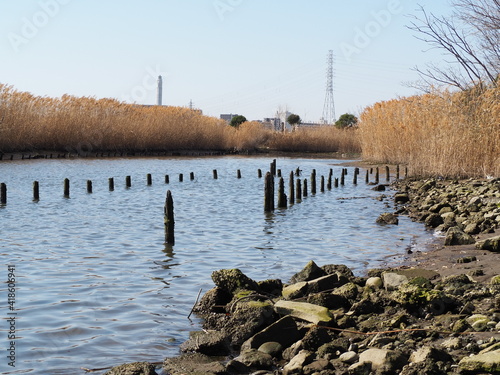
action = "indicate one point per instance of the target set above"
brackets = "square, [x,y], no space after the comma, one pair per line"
[437,312]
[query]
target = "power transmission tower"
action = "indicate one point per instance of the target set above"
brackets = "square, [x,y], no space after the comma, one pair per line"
[329,106]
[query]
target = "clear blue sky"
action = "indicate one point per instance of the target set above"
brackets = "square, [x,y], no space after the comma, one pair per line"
[227,56]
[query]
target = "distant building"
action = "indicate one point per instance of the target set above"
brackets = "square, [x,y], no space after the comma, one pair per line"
[272,123]
[228,117]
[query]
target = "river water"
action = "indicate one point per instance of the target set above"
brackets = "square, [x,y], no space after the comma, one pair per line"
[97,286]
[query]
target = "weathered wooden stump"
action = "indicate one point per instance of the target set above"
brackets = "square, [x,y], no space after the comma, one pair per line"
[387,173]
[322,186]
[304,191]
[397,172]
[181,177]
[291,189]
[342,177]
[269,192]
[377,174]
[238,173]
[313,181]
[191,176]
[282,198]
[169,219]
[259,173]
[66,188]
[149,179]
[36,191]
[128,182]
[167,179]
[367,177]
[336,182]
[214,174]
[111,184]
[3,193]
[89,186]
[298,190]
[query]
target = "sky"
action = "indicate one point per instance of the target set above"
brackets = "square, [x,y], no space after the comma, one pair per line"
[247,57]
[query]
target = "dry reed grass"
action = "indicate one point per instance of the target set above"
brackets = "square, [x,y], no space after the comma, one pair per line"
[83,125]
[446,134]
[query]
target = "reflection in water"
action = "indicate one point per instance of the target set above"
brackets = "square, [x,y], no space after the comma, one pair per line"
[99,285]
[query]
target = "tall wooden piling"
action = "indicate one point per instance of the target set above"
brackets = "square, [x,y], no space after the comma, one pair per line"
[3,193]
[313,181]
[291,189]
[273,167]
[181,177]
[387,173]
[269,192]
[304,191]
[355,179]
[66,188]
[367,177]
[167,179]
[128,182]
[259,173]
[297,172]
[336,182]
[111,184]
[238,173]
[330,176]
[282,203]
[214,174]
[36,191]
[397,172]
[377,175]
[279,172]
[169,219]
[322,186]
[342,177]
[298,190]
[149,179]
[89,186]
[191,176]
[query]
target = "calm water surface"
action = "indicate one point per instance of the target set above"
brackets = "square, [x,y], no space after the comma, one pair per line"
[96,284]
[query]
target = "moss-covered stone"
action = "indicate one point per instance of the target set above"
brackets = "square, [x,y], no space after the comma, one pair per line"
[232,280]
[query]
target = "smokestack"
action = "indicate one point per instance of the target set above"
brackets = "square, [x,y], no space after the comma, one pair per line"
[160,91]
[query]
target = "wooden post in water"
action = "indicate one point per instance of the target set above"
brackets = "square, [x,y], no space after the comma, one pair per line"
[387,173]
[273,167]
[149,179]
[342,177]
[304,192]
[406,172]
[191,176]
[355,179]
[322,187]
[298,190]
[181,177]
[259,173]
[269,192]
[111,184]
[377,174]
[169,219]
[282,203]
[291,189]
[367,178]
[214,173]
[36,191]
[128,182]
[313,181]
[167,179]
[297,172]
[3,193]
[238,173]
[397,172]
[279,172]
[336,184]
[330,176]
[89,186]
[66,188]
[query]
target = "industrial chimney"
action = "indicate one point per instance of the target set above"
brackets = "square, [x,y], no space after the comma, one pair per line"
[160,91]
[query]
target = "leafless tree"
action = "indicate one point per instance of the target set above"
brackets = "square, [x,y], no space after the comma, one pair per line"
[471,37]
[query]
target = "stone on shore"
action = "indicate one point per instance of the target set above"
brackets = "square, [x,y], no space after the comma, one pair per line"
[233,280]
[488,363]
[305,311]
[491,244]
[193,364]
[456,236]
[136,368]
[284,331]
[388,218]
[393,280]
[255,359]
[311,271]
[388,361]
[297,363]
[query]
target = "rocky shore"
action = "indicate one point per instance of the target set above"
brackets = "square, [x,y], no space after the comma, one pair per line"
[439,314]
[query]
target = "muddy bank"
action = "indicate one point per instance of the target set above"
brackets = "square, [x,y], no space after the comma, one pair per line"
[438,315]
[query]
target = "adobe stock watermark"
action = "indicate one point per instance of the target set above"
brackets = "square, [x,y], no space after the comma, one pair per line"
[31,26]
[224,6]
[364,36]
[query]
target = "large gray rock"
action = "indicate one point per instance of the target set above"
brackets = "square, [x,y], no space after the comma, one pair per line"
[456,236]
[283,331]
[232,280]
[491,244]
[426,353]
[255,359]
[206,342]
[298,362]
[193,364]
[488,363]
[311,271]
[393,280]
[387,361]
[305,311]
[136,368]
[388,218]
